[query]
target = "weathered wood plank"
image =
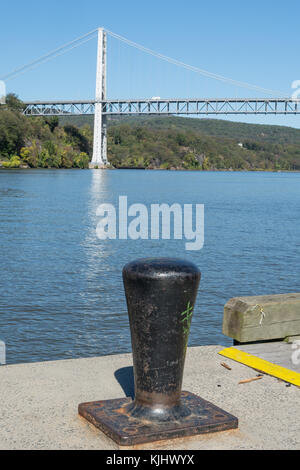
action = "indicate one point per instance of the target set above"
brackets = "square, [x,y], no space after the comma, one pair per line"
[263,317]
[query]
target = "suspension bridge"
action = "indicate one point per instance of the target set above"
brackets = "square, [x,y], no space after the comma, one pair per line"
[102,107]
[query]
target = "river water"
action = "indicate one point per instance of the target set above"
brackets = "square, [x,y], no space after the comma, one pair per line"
[61,287]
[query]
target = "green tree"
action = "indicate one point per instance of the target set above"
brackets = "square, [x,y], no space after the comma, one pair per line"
[30,155]
[52,122]
[81,160]
[14,162]
[206,164]
[77,139]
[190,161]
[13,103]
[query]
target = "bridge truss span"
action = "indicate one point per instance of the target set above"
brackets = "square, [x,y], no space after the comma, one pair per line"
[195,106]
[59,108]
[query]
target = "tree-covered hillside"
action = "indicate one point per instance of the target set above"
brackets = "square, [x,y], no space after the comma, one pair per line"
[181,142]
[40,142]
[173,147]
[145,142]
[213,127]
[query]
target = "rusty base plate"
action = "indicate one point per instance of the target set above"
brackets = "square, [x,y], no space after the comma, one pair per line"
[111,417]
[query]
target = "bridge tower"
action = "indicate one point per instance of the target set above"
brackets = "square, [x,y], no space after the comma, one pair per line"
[100,127]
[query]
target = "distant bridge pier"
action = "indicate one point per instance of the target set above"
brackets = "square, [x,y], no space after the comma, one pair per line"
[100,125]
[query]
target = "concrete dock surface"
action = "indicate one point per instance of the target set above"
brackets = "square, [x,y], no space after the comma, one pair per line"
[279,352]
[39,403]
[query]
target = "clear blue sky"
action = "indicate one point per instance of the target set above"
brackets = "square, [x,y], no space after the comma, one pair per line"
[256,42]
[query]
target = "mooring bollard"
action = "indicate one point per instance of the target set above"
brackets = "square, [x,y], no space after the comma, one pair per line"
[160,293]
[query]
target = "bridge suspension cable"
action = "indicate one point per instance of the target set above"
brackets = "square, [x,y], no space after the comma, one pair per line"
[51,55]
[195,69]
[90,35]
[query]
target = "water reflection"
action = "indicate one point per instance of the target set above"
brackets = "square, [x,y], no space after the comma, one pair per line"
[102,279]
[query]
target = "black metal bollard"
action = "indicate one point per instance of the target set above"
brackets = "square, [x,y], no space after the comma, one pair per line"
[160,293]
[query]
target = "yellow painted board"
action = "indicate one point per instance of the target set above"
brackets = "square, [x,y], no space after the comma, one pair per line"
[265,366]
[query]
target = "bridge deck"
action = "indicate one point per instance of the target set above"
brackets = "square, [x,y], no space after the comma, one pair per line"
[190,106]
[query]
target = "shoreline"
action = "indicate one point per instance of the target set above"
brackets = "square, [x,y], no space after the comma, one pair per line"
[223,170]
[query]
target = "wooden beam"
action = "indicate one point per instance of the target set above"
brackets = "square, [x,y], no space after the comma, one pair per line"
[261,318]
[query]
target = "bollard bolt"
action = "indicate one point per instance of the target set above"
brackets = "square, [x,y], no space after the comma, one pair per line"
[160,294]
